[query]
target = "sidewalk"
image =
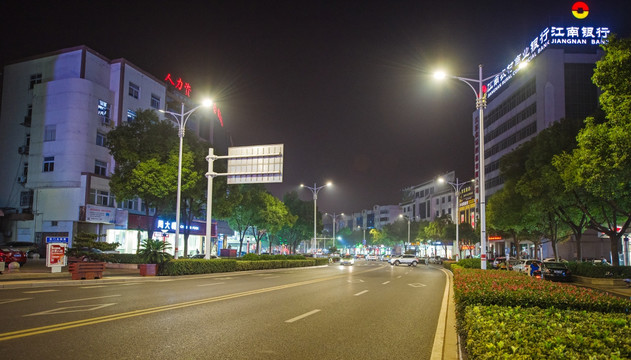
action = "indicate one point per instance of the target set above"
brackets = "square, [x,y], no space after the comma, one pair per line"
[35,273]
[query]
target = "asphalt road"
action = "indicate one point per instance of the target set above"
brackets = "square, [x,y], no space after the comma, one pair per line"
[367,311]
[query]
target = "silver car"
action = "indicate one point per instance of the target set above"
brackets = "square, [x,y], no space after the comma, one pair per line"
[407,259]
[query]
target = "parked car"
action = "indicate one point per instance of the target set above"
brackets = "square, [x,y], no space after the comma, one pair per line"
[407,259]
[523,266]
[435,260]
[347,260]
[551,259]
[385,257]
[555,271]
[371,257]
[9,255]
[202,256]
[26,246]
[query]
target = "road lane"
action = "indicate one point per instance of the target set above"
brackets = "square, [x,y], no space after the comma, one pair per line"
[246,316]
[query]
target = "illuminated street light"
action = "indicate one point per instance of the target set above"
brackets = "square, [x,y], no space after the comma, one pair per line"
[315,190]
[408,219]
[457,187]
[181,120]
[334,217]
[480,103]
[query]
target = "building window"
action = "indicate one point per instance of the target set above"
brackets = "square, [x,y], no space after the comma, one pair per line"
[26,198]
[100,138]
[101,197]
[134,90]
[442,199]
[49,164]
[437,201]
[50,132]
[100,167]
[35,79]
[104,112]
[54,223]
[155,101]
[131,115]
[130,204]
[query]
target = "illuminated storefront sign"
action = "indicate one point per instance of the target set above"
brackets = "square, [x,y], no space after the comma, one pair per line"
[179,84]
[167,226]
[552,35]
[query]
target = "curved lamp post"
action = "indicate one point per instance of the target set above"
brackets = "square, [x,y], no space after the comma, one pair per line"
[334,217]
[315,190]
[480,104]
[181,119]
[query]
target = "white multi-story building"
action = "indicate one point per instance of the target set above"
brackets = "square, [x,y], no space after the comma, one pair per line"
[429,199]
[57,109]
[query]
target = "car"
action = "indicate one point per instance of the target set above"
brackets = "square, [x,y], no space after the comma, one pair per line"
[202,256]
[371,257]
[385,257]
[551,259]
[523,266]
[555,271]
[347,260]
[407,259]
[360,256]
[9,255]
[435,260]
[28,247]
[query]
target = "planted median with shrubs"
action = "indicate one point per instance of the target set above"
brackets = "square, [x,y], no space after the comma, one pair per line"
[247,262]
[503,314]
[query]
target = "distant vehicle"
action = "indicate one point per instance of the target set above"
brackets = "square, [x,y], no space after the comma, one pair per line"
[524,265]
[360,256]
[371,257]
[202,256]
[551,259]
[347,260]
[407,259]
[385,257]
[28,247]
[435,260]
[555,271]
[9,255]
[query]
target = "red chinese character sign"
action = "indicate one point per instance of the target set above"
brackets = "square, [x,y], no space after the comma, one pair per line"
[179,84]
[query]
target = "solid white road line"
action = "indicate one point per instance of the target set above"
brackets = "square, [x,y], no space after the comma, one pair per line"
[439,337]
[211,284]
[302,316]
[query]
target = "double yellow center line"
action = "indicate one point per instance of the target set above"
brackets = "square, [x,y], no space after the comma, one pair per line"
[157,309]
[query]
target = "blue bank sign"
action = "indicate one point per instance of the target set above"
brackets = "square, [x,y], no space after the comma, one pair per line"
[552,35]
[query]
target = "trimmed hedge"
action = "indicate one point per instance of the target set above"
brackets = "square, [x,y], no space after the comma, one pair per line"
[599,270]
[203,266]
[506,315]
[499,332]
[509,288]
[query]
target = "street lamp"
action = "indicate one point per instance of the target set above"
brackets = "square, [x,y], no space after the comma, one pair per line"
[457,187]
[480,104]
[408,219]
[315,190]
[181,120]
[333,216]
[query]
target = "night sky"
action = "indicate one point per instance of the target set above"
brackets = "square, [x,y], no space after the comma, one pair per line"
[345,85]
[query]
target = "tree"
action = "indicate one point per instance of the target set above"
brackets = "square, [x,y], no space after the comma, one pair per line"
[302,228]
[273,216]
[145,151]
[240,207]
[597,172]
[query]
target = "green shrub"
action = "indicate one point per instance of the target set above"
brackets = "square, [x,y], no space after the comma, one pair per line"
[470,263]
[509,288]
[197,266]
[599,270]
[500,332]
[448,263]
[295,257]
[250,257]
